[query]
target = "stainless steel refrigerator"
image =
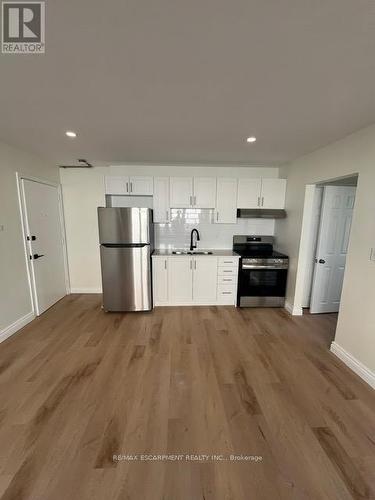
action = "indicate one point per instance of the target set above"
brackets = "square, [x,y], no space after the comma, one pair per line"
[126,242]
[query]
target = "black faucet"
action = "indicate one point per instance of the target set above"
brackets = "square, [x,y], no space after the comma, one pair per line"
[192,238]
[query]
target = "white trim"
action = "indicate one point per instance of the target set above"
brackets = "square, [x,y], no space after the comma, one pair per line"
[63,236]
[293,310]
[17,325]
[85,290]
[360,369]
[25,244]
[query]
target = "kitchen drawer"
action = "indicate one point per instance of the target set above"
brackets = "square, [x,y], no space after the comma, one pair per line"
[227,280]
[227,271]
[226,294]
[228,261]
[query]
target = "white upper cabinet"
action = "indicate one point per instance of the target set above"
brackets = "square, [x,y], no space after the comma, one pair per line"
[226,200]
[116,184]
[124,185]
[161,200]
[180,280]
[273,193]
[189,192]
[204,279]
[181,192]
[261,193]
[204,195]
[225,195]
[141,186]
[249,193]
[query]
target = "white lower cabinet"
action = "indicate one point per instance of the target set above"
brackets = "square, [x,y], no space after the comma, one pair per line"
[204,279]
[227,294]
[180,280]
[194,280]
[160,280]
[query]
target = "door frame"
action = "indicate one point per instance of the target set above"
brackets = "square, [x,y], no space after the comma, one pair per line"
[296,309]
[23,216]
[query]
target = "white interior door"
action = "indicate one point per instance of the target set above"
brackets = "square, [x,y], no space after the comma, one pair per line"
[45,243]
[332,247]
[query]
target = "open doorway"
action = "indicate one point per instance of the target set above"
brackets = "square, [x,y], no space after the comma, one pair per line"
[330,225]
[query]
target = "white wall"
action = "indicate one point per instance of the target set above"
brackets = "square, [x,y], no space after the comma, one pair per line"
[83,192]
[354,154]
[15,301]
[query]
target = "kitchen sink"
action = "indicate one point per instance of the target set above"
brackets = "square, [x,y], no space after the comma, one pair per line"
[187,252]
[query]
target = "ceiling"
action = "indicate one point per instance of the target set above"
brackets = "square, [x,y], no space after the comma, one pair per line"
[187,81]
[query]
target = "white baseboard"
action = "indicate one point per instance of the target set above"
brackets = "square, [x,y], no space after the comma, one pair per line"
[17,325]
[360,369]
[85,290]
[293,310]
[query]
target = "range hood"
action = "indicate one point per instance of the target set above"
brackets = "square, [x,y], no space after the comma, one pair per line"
[261,213]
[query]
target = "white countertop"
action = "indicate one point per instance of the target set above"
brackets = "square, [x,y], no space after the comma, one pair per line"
[215,253]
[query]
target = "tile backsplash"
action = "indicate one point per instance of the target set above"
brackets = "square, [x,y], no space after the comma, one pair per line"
[176,234]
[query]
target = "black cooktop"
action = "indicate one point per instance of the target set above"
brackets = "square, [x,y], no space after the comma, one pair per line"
[256,247]
[261,255]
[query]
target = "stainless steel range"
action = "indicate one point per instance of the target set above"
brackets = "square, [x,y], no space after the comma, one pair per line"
[262,272]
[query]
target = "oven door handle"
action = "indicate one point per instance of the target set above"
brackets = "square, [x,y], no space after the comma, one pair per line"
[256,266]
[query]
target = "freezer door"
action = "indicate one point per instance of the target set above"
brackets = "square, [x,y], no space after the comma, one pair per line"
[126,276]
[125,225]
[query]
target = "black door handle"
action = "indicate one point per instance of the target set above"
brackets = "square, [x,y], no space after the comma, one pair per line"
[36,256]
[322,261]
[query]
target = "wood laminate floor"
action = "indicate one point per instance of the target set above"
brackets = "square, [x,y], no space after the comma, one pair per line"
[79,386]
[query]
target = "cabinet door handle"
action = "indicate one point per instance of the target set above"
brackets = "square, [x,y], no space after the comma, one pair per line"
[262,201]
[165,264]
[258,201]
[195,265]
[191,200]
[167,215]
[217,216]
[131,187]
[226,293]
[195,200]
[127,187]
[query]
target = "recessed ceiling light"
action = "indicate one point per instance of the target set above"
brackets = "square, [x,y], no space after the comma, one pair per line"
[70,133]
[251,139]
